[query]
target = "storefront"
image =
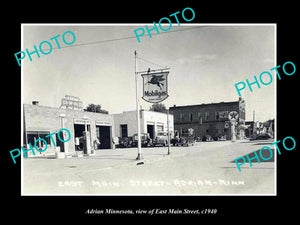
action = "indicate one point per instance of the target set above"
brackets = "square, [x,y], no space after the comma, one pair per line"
[151,123]
[99,129]
[39,121]
[207,120]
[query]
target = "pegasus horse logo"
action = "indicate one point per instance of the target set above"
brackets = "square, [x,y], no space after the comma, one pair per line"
[157,80]
[155,88]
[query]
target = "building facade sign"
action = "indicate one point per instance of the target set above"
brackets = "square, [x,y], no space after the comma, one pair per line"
[103,123]
[71,102]
[81,121]
[223,114]
[233,116]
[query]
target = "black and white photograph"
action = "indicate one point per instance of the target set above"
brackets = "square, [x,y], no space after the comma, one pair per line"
[105,88]
[148,110]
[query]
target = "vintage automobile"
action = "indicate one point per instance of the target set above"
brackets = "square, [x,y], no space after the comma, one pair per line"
[175,140]
[161,139]
[186,138]
[207,138]
[222,138]
[125,142]
[263,136]
[146,141]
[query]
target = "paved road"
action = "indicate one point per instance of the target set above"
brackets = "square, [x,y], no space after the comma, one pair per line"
[205,168]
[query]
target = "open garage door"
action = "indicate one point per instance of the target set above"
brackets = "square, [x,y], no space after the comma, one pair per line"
[150,130]
[104,136]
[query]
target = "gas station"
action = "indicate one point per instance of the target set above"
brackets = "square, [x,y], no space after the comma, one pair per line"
[89,131]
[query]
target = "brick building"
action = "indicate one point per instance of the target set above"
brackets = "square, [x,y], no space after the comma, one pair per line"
[207,119]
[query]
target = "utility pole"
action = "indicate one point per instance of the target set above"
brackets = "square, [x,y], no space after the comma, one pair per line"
[139,156]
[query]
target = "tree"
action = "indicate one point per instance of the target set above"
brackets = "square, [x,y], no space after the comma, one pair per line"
[95,108]
[158,107]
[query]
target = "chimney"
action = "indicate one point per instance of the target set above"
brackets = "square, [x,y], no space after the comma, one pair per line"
[35,102]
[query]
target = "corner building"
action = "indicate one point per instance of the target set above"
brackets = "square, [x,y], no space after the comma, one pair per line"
[40,121]
[208,119]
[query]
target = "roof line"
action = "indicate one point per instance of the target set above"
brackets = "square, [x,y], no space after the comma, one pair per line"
[203,104]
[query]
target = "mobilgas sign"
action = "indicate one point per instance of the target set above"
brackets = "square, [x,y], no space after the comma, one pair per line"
[155,87]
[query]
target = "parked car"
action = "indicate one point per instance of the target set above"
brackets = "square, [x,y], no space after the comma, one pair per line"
[186,138]
[222,138]
[145,140]
[175,141]
[263,136]
[161,139]
[125,142]
[198,139]
[207,138]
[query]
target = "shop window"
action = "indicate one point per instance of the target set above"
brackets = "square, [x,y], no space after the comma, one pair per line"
[160,128]
[181,117]
[32,136]
[124,130]
[200,117]
[191,117]
[206,116]
[217,115]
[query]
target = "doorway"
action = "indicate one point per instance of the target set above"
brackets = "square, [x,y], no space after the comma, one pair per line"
[124,130]
[78,133]
[150,130]
[104,136]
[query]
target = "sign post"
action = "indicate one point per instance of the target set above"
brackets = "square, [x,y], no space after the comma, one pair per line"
[139,156]
[155,90]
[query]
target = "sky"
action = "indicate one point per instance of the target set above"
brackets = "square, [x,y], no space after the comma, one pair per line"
[205,63]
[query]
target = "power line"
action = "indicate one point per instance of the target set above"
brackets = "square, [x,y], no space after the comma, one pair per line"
[123,38]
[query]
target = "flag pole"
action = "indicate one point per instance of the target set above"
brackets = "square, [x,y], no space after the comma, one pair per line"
[139,156]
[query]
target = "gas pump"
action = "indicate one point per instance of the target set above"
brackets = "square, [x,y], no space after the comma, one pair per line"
[86,142]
